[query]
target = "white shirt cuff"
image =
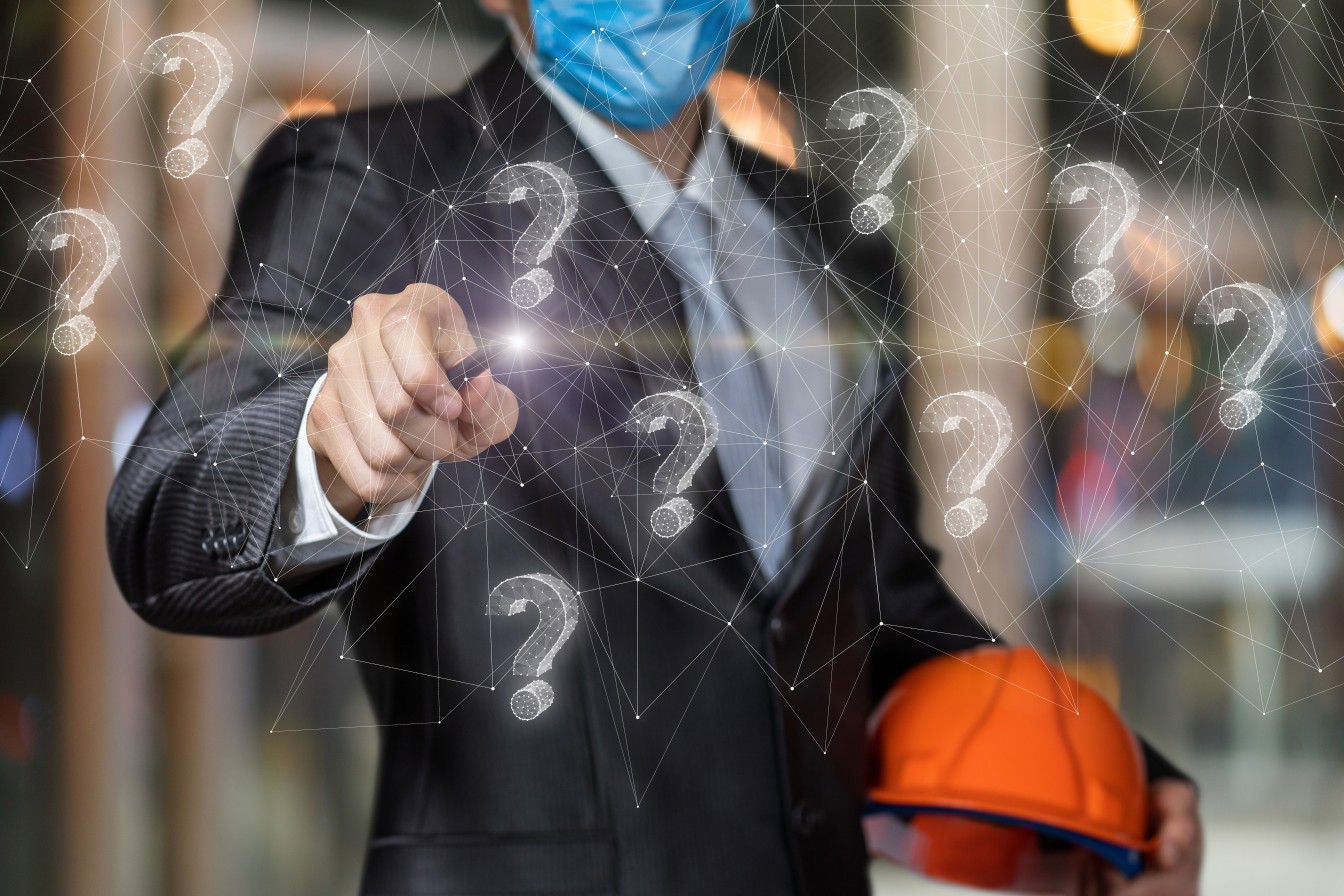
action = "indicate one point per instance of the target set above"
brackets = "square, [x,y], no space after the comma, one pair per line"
[312,534]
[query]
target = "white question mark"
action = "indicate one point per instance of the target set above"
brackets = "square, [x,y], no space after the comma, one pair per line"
[991,434]
[558,605]
[697,434]
[99,251]
[211,74]
[559,202]
[1267,322]
[1119,198]
[899,126]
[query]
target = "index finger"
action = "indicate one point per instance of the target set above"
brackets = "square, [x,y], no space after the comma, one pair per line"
[409,341]
[450,337]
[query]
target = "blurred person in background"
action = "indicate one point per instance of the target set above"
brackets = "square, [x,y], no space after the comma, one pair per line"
[319,443]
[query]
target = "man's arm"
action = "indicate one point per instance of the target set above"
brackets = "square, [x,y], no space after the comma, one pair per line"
[193,512]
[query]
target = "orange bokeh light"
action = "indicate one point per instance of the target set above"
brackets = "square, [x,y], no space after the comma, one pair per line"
[1112,27]
[755,113]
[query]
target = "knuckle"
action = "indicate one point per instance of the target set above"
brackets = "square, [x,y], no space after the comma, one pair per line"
[419,289]
[398,319]
[423,375]
[367,309]
[381,461]
[319,415]
[339,356]
[387,454]
[392,402]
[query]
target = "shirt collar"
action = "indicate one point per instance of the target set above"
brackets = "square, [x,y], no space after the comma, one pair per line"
[645,189]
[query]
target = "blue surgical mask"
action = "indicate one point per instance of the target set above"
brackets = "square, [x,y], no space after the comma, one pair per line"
[634,62]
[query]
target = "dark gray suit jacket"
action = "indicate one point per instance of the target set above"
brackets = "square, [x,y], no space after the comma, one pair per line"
[744,772]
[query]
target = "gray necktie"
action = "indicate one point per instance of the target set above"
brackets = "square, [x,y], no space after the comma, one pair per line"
[732,380]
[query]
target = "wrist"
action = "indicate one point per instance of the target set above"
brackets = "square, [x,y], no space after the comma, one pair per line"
[341,496]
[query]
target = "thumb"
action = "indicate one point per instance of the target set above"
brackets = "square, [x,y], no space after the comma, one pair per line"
[1170,849]
[1177,824]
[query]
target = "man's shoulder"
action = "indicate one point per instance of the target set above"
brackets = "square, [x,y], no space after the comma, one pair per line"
[391,126]
[445,118]
[403,140]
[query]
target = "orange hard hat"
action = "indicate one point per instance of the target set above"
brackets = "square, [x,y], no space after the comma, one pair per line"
[983,761]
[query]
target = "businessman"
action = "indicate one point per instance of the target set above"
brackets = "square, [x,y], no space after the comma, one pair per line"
[366,418]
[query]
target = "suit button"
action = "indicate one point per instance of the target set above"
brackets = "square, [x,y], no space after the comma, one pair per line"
[806,817]
[777,628]
[219,544]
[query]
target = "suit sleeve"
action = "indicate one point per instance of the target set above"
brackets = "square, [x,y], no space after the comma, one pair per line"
[192,515]
[921,616]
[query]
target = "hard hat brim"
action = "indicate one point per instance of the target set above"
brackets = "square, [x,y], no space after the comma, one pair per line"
[1127,858]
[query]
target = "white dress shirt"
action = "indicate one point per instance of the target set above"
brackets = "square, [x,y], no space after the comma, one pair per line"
[768,279]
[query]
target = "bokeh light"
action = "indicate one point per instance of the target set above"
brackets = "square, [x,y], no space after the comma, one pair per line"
[1328,313]
[755,113]
[1112,27]
[1058,368]
[18,731]
[1088,493]
[18,458]
[1164,364]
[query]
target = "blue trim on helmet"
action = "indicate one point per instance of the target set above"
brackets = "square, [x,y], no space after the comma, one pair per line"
[1127,860]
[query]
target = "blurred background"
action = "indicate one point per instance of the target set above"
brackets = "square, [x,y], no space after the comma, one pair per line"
[1188,571]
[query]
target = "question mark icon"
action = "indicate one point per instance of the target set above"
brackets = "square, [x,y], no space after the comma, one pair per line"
[698,433]
[559,201]
[991,434]
[212,72]
[1119,198]
[99,251]
[1267,321]
[558,605]
[898,125]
